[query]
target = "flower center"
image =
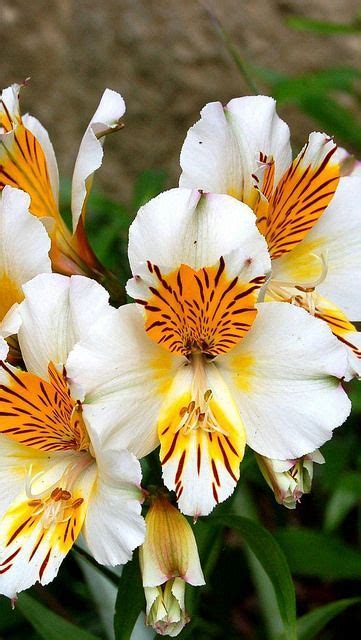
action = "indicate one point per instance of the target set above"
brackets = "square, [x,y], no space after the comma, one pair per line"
[56,503]
[198,414]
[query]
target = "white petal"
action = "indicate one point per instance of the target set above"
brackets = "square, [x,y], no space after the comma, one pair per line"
[284,378]
[339,231]
[181,226]
[3,349]
[111,108]
[14,465]
[124,375]
[42,136]
[24,248]
[354,340]
[9,102]
[57,311]
[222,150]
[114,526]
[11,323]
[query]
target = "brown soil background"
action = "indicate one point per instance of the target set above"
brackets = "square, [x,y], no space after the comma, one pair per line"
[166,59]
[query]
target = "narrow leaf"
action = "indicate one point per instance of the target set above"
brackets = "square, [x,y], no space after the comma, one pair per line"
[311,553]
[325,28]
[297,87]
[130,600]
[312,623]
[49,625]
[274,563]
[346,496]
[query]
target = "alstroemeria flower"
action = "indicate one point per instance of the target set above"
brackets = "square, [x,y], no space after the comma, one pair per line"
[27,161]
[307,213]
[58,477]
[199,367]
[24,249]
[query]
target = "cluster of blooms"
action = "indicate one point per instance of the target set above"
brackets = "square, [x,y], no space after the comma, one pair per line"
[245,282]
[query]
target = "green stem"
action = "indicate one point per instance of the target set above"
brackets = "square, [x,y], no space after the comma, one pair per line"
[242,66]
[108,573]
[244,506]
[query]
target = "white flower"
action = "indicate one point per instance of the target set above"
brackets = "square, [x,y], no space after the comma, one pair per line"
[24,249]
[27,161]
[168,558]
[307,213]
[58,477]
[210,370]
[289,479]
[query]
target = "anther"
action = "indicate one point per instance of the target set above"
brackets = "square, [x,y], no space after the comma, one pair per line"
[65,495]
[77,503]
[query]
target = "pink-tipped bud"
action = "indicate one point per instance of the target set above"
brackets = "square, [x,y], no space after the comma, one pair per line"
[289,479]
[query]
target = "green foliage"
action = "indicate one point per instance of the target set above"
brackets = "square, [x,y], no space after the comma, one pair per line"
[130,600]
[302,23]
[48,624]
[312,623]
[347,496]
[270,556]
[313,553]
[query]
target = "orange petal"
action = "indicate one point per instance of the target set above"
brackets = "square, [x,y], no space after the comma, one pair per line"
[299,200]
[202,310]
[40,414]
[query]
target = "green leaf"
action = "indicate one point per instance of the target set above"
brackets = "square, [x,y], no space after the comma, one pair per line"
[130,600]
[274,563]
[337,119]
[325,28]
[310,553]
[355,396]
[312,623]
[297,87]
[49,625]
[107,573]
[345,497]
[9,619]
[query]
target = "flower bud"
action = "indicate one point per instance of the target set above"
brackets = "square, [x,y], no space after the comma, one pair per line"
[168,559]
[289,479]
[165,607]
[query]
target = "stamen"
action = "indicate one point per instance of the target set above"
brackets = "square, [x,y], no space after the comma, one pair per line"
[283,291]
[53,504]
[198,414]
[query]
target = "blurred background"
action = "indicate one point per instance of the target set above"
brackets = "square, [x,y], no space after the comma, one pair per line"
[168,59]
